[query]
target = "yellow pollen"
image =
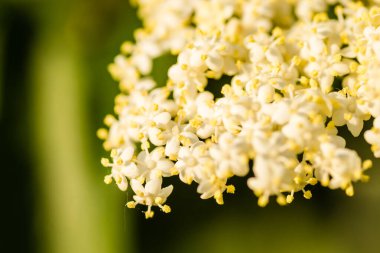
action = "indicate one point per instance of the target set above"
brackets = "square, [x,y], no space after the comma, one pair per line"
[173,157]
[219,198]
[314,74]
[188,180]
[126,47]
[296,60]
[131,204]
[304,80]
[297,180]
[348,116]
[166,209]
[263,201]
[364,178]
[174,172]
[149,214]
[181,85]
[109,120]
[338,10]
[325,182]
[140,136]
[119,161]
[313,83]
[196,122]
[320,17]
[337,58]
[107,145]
[113,153]
[350,191]
[118,179]
[312,181]
[105,162]
[375,148]
[108,179]
[281,200]
[145,145]
[184,140]
[230,189]
[289,199]
[226,89]
[102,133]
[307,195]
[158,200]
[367,164]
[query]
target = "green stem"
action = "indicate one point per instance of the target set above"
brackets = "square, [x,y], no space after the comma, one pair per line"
[76,212]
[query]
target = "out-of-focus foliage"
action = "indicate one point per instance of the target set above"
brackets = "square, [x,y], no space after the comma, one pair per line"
[55,89]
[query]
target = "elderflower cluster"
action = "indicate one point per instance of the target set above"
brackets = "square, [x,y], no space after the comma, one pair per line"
[288,73]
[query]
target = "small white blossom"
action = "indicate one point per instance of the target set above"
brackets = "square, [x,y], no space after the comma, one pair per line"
[154,164]
[151,194]
[337,167]
[373,137]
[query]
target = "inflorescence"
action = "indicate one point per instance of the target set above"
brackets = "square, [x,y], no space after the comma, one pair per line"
[296,70]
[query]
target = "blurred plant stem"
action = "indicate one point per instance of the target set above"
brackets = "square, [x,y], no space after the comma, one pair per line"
[2,46]
[75,211]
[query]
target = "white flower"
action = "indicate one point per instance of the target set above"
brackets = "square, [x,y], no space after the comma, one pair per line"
[302,130]
[306,8]
[154,164]
[337,167]
[372,36]
[347,112]
[190,158]
[180,135]
[373,137]
[122,159]
[230,155]
[151,195]
[273,168]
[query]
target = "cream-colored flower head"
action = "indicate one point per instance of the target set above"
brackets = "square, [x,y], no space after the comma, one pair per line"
[259,89]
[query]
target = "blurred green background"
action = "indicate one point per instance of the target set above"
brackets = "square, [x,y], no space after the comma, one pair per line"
[54,92]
